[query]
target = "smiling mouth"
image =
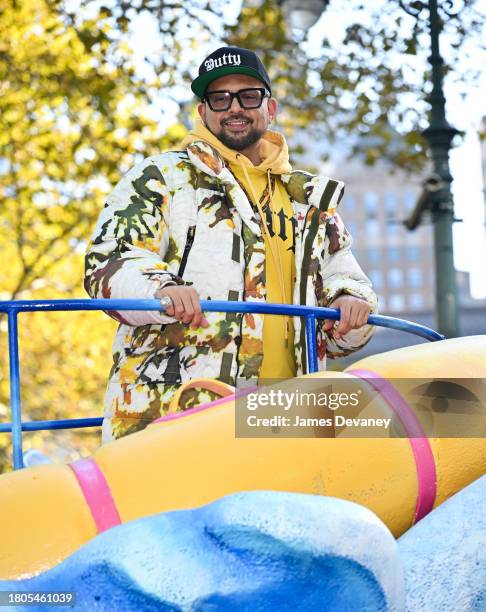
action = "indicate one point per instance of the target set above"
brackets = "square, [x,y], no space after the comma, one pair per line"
[236,125]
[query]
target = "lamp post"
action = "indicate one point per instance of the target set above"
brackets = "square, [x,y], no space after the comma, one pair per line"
[437,196]
[439,200]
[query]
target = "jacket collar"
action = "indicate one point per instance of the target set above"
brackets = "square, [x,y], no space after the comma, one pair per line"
[206,159]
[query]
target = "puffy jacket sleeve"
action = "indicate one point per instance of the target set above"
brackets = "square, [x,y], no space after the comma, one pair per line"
[342,275]
[129,243]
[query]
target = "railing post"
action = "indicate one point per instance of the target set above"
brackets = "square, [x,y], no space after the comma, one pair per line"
[13,345]
[310,334]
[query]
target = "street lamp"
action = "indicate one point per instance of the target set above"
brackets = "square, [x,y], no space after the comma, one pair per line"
[439,202]
[302,15]
[437,196]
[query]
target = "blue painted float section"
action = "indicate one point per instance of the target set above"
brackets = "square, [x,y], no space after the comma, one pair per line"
[444,555]
[256,552]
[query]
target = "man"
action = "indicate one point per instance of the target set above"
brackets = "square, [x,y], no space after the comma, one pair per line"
[225,218]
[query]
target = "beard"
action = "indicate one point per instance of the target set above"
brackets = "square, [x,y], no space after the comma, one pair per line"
[239,142]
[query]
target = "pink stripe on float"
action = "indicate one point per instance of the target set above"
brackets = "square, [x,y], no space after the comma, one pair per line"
[97,493]
[422,451]
[221,400]
[178,415]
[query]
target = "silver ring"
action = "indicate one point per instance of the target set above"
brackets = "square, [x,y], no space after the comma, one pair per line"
[166,301]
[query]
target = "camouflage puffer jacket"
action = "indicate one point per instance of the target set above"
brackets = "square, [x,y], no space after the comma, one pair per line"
[182,217]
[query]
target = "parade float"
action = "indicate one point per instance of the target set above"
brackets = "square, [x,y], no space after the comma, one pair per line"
[198,512]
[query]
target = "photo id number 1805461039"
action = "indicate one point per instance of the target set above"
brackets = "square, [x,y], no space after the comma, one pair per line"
[37,598]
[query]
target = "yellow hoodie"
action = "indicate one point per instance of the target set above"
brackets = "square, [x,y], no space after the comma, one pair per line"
[262,182]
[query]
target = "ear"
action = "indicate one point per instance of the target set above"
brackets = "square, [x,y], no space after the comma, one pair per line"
[272,106]
[201,109]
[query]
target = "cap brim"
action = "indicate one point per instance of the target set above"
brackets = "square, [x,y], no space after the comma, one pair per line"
[200,84]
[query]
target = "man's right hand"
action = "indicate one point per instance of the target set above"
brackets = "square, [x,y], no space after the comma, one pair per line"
[185,306]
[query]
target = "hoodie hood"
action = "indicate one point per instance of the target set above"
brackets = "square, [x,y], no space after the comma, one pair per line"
[273,151]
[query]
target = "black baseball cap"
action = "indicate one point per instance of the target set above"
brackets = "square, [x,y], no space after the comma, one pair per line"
[229,60]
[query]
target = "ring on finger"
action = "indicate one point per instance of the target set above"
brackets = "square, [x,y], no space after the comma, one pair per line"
[166,301]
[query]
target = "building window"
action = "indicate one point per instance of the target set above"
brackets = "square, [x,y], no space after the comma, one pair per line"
[395,278]
[376,278]
[372,227]
[391,206]
[413,253]
[392,214]
[409,200]
[393,227]
[394,253]
[416,301]
[414,277]
[371,205]
[374,254]
[396,302]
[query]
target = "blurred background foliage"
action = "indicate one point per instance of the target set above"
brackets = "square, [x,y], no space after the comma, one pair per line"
[87,89]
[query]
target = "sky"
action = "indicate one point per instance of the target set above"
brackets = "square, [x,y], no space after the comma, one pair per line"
[468,192]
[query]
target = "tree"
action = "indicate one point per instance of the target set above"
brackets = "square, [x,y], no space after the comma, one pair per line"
[71,120]
[73,116]
[363,89]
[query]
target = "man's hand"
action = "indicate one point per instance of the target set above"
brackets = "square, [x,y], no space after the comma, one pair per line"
[354,314]
[185,305]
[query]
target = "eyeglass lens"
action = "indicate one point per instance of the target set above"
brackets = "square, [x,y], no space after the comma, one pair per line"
[247,98]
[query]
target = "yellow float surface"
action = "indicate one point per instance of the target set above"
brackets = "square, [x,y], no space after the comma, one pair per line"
[43,519]
[196,459]
[461,361]
[455,358]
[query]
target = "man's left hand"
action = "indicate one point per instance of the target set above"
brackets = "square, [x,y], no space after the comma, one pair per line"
[354,314]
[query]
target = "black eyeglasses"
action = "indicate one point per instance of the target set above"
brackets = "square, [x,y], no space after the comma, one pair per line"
[251,98]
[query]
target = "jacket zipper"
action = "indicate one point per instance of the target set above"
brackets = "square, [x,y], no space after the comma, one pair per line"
[238,344]
[189,241]
[305,223]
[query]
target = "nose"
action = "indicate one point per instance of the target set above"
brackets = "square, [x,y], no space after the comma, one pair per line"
[235,105]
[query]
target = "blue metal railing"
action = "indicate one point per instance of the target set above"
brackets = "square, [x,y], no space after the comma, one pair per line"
[13,308]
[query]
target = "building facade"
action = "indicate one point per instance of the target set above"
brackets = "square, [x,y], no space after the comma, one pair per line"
[399,262]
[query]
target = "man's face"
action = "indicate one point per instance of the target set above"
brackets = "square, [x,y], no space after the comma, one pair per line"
[238,128]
